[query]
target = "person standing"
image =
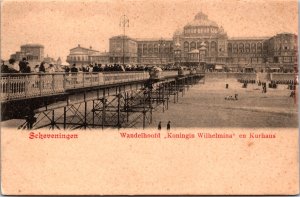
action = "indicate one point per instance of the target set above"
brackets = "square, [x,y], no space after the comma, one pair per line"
[159,125]
[13,68]
[42,68]
[28,68]
[169,125]
[74,72]
[51,68]
[74,69]
[23,65]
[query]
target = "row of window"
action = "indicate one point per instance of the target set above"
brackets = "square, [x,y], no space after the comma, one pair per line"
[78,58]
[246,48]
[197,30]
[196,45]
[154,49]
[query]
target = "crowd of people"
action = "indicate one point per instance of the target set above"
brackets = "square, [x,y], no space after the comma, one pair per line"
[24,67]
[104,68]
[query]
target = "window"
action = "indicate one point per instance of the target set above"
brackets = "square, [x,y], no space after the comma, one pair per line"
[193,45]
[253,48]
[150,48]
[213,46]
[241,48]
[155,48]
[140,48]
[186,46]
[235,48]
[247,48]
[265,46]
[145,50]
[229,47]
[166,49]
[259,47]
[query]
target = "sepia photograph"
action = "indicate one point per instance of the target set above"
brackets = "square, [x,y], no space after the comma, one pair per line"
[149,97]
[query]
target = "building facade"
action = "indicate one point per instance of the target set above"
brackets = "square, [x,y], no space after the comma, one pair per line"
[203,36]
[32,52]
[201,40]
[155,51]
[122,49]
[81,55]
[279,51]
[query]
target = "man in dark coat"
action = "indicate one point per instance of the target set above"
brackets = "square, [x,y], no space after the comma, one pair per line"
[23,65]
[28,68]
[74,69]
[159,125]
[169,125]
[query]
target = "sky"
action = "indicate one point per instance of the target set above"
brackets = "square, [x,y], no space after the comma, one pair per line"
[60,25]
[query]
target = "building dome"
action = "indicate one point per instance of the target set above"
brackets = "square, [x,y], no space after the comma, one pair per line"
[202,20]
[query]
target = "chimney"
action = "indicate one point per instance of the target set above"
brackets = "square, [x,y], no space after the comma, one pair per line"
[78,45]
[90,47]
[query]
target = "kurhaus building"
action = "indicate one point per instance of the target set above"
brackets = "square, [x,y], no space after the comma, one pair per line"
[202,40]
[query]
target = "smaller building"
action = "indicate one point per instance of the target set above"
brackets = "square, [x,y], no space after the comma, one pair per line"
[84,56]
[32,52]
[81,55]
[282,52]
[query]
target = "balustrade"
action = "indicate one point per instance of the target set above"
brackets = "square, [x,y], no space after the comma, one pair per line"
[19,86]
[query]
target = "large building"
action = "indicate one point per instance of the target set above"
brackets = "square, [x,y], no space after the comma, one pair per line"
[122,49]
[218,50]
[201,40]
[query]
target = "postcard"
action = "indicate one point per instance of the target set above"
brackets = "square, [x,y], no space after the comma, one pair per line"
[139,97]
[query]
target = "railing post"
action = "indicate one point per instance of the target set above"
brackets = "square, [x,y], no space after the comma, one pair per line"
[91,78]
[83,79]
[26,85]
[53,89]
[41,84]
[8,87]
[64,82]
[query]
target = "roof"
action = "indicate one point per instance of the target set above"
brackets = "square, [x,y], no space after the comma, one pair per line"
[153,39]
[32,45]
[202,23]
[89,49]
[201,19]
[248,38]
[121,36]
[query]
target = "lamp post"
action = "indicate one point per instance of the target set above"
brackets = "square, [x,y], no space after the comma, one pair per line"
[124,22]
[202,52]
[177,53]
